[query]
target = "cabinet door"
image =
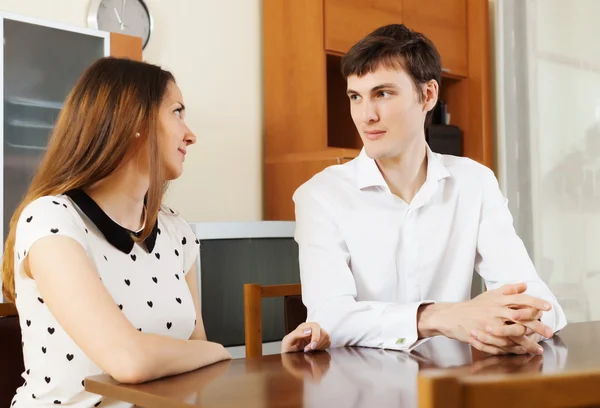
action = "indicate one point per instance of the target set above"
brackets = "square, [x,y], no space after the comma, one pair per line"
[347,21]
[40,66]
[282,178]
[295,87]
[445,23]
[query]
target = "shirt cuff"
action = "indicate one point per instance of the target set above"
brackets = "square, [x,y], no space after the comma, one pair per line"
[399,327]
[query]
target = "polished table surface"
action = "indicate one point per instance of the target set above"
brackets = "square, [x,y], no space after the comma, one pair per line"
[347,377]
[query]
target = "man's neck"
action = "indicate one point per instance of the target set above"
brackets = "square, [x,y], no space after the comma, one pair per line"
[406,172]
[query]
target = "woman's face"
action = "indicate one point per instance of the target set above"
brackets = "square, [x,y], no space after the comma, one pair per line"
[176,136]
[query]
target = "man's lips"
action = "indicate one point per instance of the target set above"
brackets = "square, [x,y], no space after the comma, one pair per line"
[374,134]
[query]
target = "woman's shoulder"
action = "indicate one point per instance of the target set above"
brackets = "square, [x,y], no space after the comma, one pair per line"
[172,219]
[49,208]
[50,215]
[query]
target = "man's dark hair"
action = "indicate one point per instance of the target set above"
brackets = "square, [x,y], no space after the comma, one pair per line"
[396,46]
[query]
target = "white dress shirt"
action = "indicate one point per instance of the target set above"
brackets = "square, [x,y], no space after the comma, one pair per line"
[368,259]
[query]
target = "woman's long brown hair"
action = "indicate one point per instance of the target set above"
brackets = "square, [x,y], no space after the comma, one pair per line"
[95,133]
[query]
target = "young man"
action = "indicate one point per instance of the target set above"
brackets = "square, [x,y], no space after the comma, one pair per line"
[389,241]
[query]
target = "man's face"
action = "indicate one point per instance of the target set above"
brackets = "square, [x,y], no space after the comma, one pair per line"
[387,111]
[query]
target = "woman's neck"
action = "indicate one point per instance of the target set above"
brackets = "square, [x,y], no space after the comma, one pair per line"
[121,197]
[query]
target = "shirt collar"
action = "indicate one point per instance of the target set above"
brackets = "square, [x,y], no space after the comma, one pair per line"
[118,236]
[368,174]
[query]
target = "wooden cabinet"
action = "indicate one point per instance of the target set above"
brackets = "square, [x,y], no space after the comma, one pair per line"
[444,23]
[125,46]
[294,77]
[283,177]
[307,113]
[347,21]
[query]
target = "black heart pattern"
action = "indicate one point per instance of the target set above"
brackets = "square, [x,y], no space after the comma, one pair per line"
[183,241]
[29,218]
[70,357]
[48,379]
[177,276]
[197,242]
[127,282]
[97,404]
[158,230]
[28,323]
[64,205]
[33,396]
[28,371]
[54,230]
[56,202]
[157,255]
[40,300]
[154,279]
[51,330]
[86,231]
[139,329]
[133,257]
[121,307]
[105,258]
[44,350]
[149,303]
[178,300]
[57,402]
[176,253]
[169,324]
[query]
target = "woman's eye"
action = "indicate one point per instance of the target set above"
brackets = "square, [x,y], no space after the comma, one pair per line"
[178,112]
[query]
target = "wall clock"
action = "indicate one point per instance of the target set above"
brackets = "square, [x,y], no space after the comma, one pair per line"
[131,17]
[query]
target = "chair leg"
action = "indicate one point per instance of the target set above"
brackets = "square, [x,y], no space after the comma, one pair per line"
[253,319]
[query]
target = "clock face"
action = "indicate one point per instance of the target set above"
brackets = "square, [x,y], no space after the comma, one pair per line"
[129,17]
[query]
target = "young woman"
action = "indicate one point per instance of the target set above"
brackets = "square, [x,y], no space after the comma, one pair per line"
[102,273]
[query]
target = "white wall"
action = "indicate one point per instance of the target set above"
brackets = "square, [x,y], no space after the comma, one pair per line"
[214,50]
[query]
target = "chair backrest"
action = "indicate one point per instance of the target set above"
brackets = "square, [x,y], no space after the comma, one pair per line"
[294,311]
[564,390]
[11,353]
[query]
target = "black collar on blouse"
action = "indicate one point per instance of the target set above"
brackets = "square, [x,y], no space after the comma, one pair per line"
[116,235]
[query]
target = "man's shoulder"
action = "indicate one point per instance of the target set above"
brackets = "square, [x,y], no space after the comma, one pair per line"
[331,180]
[464,169]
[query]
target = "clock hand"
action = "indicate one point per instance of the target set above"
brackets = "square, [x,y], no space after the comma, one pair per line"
[123,11]
[117,14]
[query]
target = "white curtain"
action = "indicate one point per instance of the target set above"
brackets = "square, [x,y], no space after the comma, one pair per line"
[547,85]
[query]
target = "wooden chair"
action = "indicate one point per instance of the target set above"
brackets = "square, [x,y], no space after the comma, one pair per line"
[11,353]
[294,311]
[565,390]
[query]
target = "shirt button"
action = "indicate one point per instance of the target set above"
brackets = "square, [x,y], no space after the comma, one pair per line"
[401,340]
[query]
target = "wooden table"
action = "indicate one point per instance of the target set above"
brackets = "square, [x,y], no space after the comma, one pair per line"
[346,377]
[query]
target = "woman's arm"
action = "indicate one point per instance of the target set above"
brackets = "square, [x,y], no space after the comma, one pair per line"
[192,281]
[72,291]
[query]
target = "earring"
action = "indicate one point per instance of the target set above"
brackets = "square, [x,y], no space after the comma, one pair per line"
[137,134]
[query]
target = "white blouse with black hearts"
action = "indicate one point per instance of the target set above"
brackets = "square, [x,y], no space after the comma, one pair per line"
[146,281]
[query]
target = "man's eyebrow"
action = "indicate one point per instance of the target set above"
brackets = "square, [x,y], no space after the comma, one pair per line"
[375,88]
